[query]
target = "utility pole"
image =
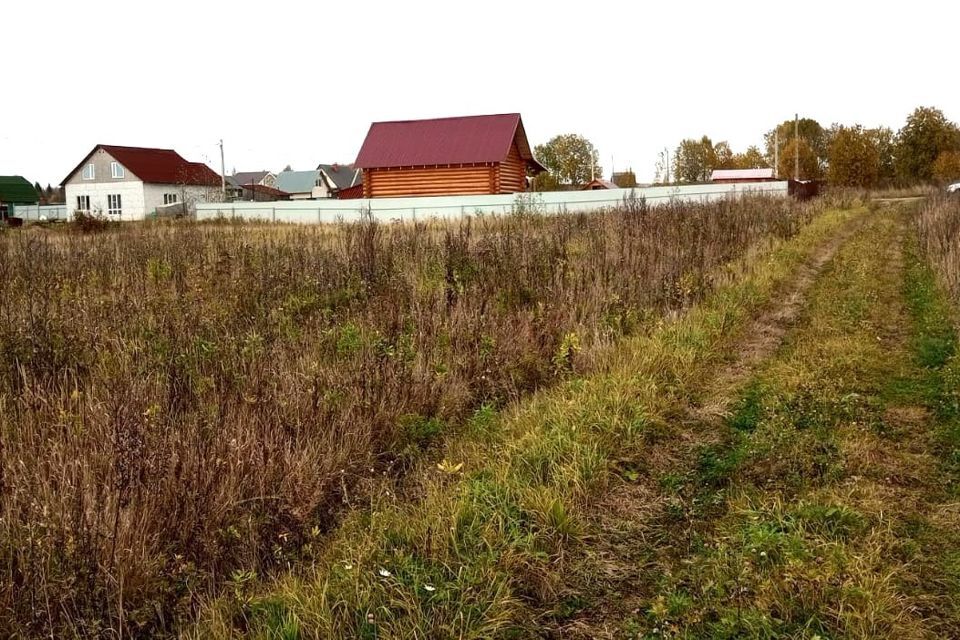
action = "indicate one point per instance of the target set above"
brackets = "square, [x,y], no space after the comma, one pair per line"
[796,146]
[223,174]
[776,152]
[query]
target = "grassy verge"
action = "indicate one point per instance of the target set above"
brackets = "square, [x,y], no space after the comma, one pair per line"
[482,549]
[837,477]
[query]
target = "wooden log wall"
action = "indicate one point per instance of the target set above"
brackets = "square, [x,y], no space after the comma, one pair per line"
[513,173]
[397,182]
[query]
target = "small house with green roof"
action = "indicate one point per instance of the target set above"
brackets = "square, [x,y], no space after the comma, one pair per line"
[15,190]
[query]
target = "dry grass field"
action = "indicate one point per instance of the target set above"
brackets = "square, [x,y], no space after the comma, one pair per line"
[186,406]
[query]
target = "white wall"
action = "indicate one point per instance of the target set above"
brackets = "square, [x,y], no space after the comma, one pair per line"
[191,194]
[385,209]
[131,197]
[43,212]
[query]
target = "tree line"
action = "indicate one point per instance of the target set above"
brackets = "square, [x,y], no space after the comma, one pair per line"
[925,150]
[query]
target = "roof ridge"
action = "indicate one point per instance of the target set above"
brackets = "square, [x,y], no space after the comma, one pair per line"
[479,115]
[121,146]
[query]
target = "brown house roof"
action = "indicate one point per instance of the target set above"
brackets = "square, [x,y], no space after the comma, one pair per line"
[158,166]
[443,141]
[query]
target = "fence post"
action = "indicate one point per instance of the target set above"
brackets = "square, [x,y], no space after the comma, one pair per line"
[274,217]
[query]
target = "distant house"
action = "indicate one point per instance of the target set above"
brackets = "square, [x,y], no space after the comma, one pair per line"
[15,190]
[337,177]
[727,176]
[129,183]
[302,185]
[598,184]
[262,193]
[447,156]
[236,182]
[266,178]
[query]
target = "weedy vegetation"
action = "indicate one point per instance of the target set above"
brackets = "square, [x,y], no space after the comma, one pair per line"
[938,226]
[484,546]
[188,408]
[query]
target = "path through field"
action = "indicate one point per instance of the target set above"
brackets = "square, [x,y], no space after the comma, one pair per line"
[778,461]
[813,493]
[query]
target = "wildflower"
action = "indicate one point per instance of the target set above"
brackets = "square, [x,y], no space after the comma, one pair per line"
[449,467]
[384,573]
[429,587]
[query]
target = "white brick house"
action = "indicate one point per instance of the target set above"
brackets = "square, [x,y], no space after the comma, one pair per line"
[130,183]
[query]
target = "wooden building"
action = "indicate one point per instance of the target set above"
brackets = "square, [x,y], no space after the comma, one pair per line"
[471,155]
[598,184]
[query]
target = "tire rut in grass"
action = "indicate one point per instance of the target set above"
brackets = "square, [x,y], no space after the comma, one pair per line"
[607,583]
[831,510]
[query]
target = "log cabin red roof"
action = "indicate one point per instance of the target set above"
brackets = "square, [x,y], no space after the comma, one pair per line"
[157,166]
[445,141]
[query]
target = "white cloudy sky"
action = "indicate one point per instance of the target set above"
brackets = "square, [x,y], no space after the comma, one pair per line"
[299,82]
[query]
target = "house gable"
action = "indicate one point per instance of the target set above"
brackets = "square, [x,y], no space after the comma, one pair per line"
[102,164]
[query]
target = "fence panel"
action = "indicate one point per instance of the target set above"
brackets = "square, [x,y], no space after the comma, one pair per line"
[39,213]
[408,209]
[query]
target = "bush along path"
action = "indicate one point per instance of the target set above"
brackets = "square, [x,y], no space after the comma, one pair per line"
[827,507]
[498,538]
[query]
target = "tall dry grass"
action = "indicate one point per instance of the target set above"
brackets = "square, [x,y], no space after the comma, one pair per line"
[939,229]
[181,401]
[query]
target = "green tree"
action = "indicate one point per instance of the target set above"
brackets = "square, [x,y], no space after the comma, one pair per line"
[815,144]
[885,141]
[926,134]
[694,160]
[570,158]
[946,168]
[723,156]
[752,158]
[811,166]
[625,179]
[854,158]
[545,181]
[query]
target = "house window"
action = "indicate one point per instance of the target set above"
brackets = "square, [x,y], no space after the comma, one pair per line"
[113,204]
[83,204]
[169,198]
[89,173]
[115,170]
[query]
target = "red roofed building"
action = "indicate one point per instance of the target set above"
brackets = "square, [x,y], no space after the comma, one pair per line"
[129,183]
[471,155]
[732,176]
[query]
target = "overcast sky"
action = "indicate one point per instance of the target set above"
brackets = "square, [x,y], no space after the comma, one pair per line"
[299,82]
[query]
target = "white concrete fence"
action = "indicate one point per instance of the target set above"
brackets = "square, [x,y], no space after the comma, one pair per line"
[408,209]
[43,212]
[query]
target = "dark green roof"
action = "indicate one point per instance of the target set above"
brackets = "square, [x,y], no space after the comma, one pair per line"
[17,190]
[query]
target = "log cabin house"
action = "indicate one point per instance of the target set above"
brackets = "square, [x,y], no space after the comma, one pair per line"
[470,155]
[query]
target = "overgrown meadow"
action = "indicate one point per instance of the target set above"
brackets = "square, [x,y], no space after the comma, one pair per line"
[179,402]
[939,229]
